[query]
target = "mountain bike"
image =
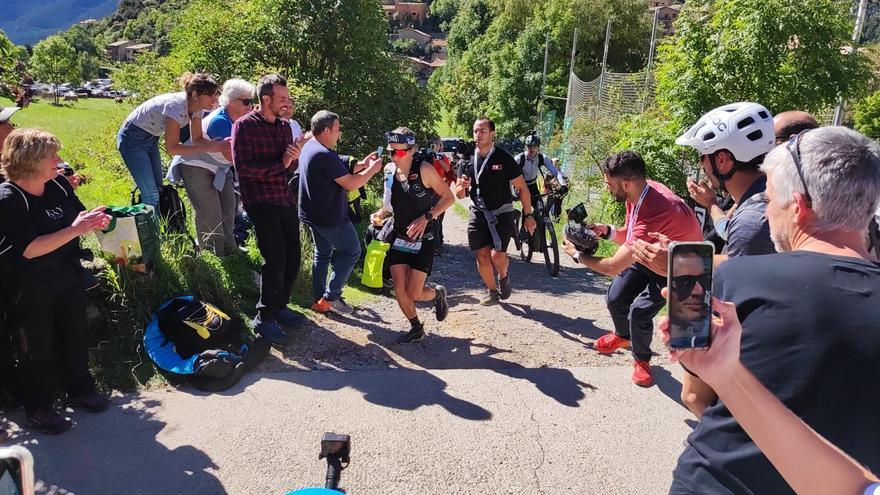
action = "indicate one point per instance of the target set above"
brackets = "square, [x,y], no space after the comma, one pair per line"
[543,240]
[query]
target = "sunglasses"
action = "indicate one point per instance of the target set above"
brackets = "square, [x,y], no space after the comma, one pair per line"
[683,285]
[794,149]
[399,153]
[246,101]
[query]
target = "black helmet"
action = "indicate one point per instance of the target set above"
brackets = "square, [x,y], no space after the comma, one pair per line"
[533,140]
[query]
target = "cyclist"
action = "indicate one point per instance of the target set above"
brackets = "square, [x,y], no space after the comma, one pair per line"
[530,162]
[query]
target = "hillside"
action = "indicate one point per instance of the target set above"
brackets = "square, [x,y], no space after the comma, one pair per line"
[26,21]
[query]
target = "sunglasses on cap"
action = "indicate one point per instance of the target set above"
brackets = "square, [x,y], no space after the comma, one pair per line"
[683,285]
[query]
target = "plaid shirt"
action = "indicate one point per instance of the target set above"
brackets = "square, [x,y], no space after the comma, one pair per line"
[257,151]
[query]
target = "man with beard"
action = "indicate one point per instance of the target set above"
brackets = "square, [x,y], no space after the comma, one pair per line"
[634,296]
[809,314]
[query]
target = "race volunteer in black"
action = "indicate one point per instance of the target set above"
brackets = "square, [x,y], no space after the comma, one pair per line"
[410,196]
[491,224]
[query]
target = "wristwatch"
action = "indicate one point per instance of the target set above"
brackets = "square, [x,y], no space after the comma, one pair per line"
[528,215]
[429,216]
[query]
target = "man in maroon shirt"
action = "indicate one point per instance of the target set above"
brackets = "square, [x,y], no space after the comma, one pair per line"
[634,296]
[265,157]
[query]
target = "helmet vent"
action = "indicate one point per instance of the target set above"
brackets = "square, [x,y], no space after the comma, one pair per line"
[763,115]
[755,135]
[708,136]
[745,122]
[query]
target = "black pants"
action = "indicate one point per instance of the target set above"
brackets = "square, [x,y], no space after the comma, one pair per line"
[439,237]
[634,300]
[8,370]
[277,231]
[38,317]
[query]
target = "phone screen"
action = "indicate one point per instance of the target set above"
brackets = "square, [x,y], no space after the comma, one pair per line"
[379,151]
[690,294]
[10,477]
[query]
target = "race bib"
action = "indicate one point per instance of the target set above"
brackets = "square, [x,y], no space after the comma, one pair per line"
[406,246]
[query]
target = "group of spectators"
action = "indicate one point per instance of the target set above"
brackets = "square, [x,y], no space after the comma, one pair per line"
[797,292]
[795,339]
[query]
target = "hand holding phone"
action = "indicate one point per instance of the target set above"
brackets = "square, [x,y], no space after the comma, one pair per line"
[690,294]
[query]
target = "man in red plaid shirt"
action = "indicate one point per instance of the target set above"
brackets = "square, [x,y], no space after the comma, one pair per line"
[266,157]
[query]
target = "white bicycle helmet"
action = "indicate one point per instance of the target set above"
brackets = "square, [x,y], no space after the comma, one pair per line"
[745,129]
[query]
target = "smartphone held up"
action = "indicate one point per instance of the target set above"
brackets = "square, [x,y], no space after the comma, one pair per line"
[690,294]
[16,471]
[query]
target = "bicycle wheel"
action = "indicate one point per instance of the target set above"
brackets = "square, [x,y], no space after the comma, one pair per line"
[525,246]
[551,249]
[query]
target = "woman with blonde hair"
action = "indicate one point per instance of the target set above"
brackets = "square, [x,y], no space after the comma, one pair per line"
[42,220]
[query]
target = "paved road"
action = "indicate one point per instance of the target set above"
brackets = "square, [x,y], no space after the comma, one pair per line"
[581,431]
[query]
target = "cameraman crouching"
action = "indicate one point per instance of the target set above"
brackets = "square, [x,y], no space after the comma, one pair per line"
[491,224]
[42,220]
[410,197]
[634,295]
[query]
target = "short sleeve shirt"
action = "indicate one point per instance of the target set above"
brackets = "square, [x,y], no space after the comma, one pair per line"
[494,176]
[322,202]
[748,232]
[810,335]
[23,218]
[151,114]
[664,212]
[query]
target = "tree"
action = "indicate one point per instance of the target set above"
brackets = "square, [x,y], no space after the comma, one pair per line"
[735,50]
[347,69]
[867,116]
[54,61]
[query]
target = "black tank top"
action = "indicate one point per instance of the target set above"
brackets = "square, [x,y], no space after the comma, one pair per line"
[410,200]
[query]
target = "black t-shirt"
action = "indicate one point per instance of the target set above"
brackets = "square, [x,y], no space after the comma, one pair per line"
[23,218]
[811,335]
[493,183]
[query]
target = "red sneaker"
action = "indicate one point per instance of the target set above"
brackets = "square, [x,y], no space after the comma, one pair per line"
[642,374]
[321,306]
[609,343]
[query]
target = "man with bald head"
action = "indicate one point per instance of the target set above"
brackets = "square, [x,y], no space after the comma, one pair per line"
[791,123]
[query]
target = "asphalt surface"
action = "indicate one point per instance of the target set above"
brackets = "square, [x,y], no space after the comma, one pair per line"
[581,430]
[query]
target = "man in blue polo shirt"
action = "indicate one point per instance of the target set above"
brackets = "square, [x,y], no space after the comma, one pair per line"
[324,182]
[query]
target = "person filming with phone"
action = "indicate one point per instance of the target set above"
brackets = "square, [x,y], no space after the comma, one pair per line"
[809,314]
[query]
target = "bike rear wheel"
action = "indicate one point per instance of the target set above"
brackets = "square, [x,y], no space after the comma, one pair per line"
[551,248]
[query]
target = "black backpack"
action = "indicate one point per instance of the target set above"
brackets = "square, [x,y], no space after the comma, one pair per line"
[171,209]
[194,326]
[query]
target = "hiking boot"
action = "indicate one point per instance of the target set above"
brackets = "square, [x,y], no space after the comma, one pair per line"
[47,420]
[492,299]
[289,317]
[93,402]
[321,306]
[414,335]
[271,331]
[609,343]
[505,288]
[642,374]
[441,307]
[341,307]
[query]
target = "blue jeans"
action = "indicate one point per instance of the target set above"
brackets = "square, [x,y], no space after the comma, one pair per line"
[140,152]
[339,245]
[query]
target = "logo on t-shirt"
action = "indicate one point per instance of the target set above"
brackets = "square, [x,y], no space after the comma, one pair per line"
[55,213]
[497,167]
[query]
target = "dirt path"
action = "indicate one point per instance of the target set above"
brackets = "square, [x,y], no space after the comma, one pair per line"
[547,323]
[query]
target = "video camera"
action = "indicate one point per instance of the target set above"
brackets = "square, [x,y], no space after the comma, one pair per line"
[576,231]
[336,449]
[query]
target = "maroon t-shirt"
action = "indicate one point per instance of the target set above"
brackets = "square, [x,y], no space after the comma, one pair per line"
[661,211]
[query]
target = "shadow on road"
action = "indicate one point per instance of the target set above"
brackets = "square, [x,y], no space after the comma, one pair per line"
[117,452]
[570,328]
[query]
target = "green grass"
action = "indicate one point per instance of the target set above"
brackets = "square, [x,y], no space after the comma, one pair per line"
[126,300]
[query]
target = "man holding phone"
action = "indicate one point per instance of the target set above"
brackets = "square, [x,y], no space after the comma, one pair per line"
[809,314]
[634,295]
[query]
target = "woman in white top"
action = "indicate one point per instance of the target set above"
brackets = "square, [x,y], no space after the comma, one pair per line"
[138,139]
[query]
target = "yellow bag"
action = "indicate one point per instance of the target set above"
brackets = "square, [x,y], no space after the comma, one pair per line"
[373,261]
